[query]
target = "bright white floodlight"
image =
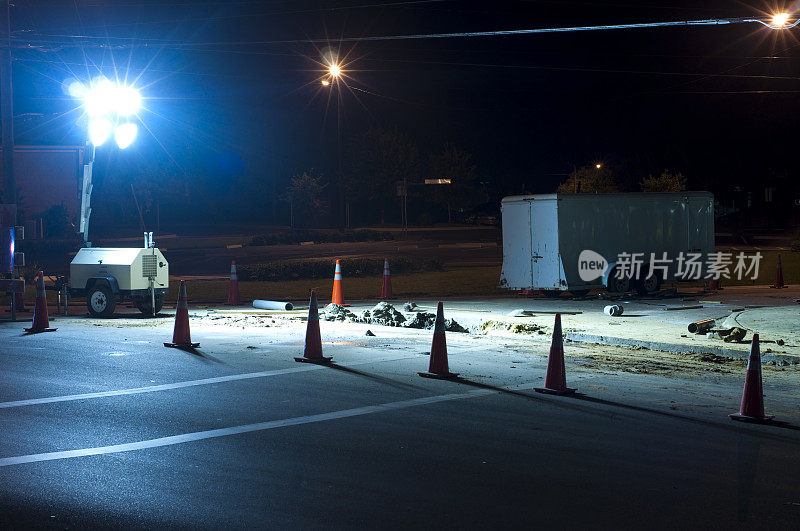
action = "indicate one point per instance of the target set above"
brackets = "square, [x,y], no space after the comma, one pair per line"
[128,101]
[77,89]
[125,134]
[99,130]
[100,98]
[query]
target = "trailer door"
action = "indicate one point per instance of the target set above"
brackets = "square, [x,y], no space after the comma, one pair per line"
[517,273]
[545,256]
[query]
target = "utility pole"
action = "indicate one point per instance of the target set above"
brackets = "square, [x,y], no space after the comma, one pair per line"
[6,104]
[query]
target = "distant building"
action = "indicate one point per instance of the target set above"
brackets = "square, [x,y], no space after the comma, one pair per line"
[47,176]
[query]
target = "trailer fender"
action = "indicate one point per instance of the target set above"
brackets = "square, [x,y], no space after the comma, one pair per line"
[110,282]
[607,273]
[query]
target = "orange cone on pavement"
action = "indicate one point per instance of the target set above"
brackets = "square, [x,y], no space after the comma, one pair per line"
[337,298]
[312,353]
[438,367]
[41,322]
[386,289]
[233,287]
[779,275]
[752,407]
[181,337]
[555,381]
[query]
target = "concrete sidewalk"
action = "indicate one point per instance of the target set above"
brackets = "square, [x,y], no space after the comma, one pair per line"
[651,323]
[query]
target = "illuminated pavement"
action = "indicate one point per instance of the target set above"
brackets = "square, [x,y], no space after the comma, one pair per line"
[245,437]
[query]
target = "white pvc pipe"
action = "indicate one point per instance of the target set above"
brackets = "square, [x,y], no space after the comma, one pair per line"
[272,305]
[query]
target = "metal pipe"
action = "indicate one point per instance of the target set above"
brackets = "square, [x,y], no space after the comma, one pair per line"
[701,326]
[273,305]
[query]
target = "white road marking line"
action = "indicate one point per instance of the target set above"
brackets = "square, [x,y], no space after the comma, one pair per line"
[236,430]
[179,385]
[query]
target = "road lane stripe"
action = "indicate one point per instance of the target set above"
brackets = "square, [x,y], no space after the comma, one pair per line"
[188,383]
[236,430]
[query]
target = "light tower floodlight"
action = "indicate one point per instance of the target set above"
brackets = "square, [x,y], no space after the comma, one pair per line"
[109,106]
[125,134]
[128,101]
[99,131]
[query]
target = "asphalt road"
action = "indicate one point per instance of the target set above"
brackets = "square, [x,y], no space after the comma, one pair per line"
[241,436]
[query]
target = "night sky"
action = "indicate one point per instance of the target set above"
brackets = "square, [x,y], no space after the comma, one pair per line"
[233,94]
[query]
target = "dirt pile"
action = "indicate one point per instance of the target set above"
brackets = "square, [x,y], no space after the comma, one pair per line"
[514,328]
[383,314]
[334,312]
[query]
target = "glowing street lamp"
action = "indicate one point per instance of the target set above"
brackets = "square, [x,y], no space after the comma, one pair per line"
[335,70]
[598,165]
[780,20]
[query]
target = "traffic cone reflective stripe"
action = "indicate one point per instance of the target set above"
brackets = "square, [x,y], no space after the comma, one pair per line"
[337,298]
[386,289]
[555,380]
[181,336]
[233,287]
[779,275]
[438,366]
[752,406]
[312,352]
[41,321]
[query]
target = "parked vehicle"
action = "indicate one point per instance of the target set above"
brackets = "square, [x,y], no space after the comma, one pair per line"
[572,242]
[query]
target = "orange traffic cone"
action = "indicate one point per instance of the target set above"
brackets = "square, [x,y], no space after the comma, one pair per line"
[438,367]
[312,353]
[752,407]
[233,287]
[555,381]
[41,322]
[386,289]
[779,275]
[337,298]
[181,337]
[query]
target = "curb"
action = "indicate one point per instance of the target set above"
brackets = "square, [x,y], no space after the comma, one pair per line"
[677,348]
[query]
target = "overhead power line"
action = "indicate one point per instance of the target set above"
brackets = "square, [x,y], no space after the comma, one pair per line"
[466,34]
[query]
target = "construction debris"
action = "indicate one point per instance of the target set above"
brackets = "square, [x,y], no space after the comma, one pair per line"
[410,306]
[515,328]
[335,312]
[385,314]
[736,335]
[421,320]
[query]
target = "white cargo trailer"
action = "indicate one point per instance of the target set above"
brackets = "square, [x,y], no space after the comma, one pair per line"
[103,274]
[558,242]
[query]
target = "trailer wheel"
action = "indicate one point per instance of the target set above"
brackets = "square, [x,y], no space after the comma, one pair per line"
[618,285]
[144,304]
[101,302]
[649,285]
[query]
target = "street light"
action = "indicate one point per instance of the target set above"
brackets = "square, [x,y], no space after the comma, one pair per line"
[598,165]
[780,20]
